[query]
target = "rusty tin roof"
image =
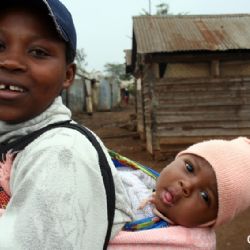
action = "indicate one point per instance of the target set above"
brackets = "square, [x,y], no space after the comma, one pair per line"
[154,34]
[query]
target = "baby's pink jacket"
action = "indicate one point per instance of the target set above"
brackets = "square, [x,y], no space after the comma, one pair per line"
[171,238]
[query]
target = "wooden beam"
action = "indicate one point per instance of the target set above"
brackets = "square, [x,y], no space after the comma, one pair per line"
[215,68]
[196,57]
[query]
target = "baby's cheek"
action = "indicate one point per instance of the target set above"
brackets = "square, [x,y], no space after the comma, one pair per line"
[157,203]
[152,201]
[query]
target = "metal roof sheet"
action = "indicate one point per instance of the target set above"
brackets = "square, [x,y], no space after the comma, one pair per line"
[155,34]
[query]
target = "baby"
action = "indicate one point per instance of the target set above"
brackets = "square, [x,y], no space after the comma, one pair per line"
[186,192]
[206,185]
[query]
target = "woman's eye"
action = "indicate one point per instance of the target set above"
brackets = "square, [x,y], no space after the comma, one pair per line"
[204,196]
[2,46]
[189,167]
[39,52]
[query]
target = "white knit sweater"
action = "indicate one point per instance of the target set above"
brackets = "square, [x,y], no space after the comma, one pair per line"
[58,198]
[139,187]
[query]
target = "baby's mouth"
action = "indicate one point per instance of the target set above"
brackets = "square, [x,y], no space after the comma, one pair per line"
[11,88]
[167,198]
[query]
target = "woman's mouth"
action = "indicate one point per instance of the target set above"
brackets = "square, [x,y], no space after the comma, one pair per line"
[10,87]
[11,91]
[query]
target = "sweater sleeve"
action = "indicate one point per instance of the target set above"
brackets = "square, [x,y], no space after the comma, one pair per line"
[58,198]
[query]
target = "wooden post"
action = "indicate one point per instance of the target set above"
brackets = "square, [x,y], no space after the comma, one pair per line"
[215,68]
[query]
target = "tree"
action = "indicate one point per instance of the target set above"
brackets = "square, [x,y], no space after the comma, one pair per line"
[81,61]
[116,71]
[162,9]
[145,13]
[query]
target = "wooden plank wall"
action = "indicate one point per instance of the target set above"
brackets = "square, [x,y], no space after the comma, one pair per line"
[190,110]
[148,86]
[140,114]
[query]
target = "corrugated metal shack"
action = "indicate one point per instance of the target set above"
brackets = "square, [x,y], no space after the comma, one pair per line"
[193,79]
[90,95]
[78,97]
[75,97]
[108,95]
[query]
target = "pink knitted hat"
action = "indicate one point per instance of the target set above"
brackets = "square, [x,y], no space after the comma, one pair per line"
[230,160]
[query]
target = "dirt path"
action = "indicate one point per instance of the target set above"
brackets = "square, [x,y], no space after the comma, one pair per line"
[116,131]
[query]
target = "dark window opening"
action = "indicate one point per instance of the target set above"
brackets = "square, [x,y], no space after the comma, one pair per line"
[162,69]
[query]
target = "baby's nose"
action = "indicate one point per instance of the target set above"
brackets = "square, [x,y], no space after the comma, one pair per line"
[186,187]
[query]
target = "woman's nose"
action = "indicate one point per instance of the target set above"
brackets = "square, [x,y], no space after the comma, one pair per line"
[12,62]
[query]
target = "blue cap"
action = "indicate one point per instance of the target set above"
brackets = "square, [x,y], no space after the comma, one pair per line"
[60,16]
[63,21]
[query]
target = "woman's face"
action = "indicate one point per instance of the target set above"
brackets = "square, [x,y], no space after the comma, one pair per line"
[33,68]
[186,191]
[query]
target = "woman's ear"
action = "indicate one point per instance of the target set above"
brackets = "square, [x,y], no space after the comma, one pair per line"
[69,76]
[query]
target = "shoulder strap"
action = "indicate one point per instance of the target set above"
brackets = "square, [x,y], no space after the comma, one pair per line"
[23,141]
[103,163]
[106,175]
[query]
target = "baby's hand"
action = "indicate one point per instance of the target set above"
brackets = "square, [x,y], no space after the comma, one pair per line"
[149,200]
[5,168]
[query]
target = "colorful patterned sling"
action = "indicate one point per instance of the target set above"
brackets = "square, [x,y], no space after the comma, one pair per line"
[146,223]
[4,198]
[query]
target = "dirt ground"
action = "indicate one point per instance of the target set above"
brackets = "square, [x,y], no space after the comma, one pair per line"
[117,132]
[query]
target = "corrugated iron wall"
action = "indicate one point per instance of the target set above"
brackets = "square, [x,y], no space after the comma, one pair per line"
[75,96]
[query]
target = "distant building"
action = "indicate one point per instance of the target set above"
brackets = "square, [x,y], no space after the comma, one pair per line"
[193,79]
[92,92]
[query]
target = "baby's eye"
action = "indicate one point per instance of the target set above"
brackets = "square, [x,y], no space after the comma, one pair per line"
[189,167]
[204,196]
[38,52]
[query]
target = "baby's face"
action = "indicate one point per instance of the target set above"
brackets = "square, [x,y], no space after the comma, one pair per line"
[33,68]
[186,191]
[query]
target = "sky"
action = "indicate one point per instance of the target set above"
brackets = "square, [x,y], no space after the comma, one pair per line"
[104,27]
